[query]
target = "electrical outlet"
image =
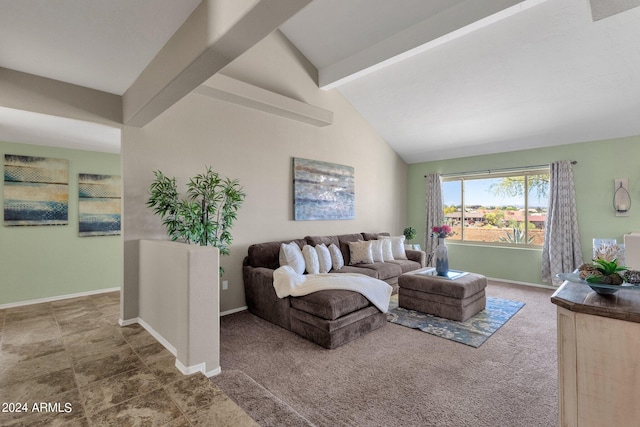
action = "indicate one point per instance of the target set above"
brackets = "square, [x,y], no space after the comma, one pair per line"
[225,285]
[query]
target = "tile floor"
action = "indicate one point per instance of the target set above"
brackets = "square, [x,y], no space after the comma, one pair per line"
[69,363]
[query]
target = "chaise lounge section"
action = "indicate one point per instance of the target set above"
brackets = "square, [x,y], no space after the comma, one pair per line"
[329,318]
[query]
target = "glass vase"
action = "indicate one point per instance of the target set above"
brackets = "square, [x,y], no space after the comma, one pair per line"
[442,258]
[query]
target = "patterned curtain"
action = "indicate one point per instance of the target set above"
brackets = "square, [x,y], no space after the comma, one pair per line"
[434,211]
[561,251]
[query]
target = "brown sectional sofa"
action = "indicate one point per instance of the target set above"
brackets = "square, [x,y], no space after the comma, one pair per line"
[329,318]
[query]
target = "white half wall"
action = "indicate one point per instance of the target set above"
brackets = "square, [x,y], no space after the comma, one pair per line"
[179,302]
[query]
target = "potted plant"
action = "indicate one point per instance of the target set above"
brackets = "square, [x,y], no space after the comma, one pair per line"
[602,272]
[410,234]
[205,217]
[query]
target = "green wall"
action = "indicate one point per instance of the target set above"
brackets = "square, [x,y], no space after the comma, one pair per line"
[599,163]
[48,261]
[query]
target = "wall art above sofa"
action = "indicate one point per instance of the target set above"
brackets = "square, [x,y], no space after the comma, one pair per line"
[322,191]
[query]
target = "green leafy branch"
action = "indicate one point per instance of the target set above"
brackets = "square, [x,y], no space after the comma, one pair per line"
[206,216]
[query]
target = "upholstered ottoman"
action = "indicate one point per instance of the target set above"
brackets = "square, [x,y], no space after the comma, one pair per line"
[457,299]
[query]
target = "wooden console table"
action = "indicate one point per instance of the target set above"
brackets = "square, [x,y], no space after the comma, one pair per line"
[598,356]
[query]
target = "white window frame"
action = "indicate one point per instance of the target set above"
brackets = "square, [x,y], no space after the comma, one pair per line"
[503,173]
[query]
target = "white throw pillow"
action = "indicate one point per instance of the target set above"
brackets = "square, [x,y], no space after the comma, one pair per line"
[324,258]
[387,253]
[360,252]
[337,260]
[376,250]
[397,247]
[312,265]
[291,255]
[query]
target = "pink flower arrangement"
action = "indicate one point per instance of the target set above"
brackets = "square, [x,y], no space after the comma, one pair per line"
[442,231]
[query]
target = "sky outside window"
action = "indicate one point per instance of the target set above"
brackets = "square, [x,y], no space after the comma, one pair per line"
[479,192]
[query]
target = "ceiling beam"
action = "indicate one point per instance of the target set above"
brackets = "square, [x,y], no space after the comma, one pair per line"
[601,9]
[459,20]
[28,92]
[217,32]
[240,93]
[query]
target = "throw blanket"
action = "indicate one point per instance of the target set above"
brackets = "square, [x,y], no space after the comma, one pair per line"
[289,283]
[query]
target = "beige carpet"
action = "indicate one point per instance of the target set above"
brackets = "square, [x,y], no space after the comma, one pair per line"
[397,376]
[266,409]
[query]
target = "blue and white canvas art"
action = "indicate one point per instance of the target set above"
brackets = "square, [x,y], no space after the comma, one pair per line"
[36,190]
[323,191]
[99,205]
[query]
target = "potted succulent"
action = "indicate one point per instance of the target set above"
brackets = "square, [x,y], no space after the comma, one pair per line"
[205,217]
[602,272]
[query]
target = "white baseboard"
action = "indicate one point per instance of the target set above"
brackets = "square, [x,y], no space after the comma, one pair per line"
[185,370]
[188,370]
[158,337]
[535,285]
[127,322]
[234,310]
[58,298]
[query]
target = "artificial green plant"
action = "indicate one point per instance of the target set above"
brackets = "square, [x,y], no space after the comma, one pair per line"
[206,216]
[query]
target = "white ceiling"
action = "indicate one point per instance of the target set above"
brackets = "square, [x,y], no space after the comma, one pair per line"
[544,75]
[41,129]
[99,44]
[539,73]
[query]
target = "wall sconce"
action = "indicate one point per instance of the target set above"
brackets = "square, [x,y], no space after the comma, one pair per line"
[621,197]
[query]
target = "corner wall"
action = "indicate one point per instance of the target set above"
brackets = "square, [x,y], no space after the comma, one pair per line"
[257,148]
[39,262]
[599,163]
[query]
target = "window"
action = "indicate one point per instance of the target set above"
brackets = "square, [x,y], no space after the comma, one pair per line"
[507,208]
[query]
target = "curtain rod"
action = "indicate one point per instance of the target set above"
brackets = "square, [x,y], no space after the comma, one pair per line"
[490,171]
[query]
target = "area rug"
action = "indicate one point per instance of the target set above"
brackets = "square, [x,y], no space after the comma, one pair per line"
[472,332]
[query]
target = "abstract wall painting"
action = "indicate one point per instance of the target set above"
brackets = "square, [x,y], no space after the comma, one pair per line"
[323,191]
[99,205]
[36,190]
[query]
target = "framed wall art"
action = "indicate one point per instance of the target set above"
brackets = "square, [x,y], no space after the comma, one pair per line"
[322,191]
[99,205]
[36,190]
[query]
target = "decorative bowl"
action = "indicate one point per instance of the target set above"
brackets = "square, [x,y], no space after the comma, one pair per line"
[603,291]
[600,289]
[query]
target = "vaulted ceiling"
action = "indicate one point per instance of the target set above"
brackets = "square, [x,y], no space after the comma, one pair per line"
[437,79]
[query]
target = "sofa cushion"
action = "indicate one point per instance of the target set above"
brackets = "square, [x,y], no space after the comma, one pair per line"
[311,261]
[376,250]
[334,333]
[385,270]
[375,236]
[330,304]
[291,255]
[332,326]
[324,258]
[387,252]
[397,247]
[357,269]
[344,240]
[406,264]
[327,240]
[337,261]
[267,254]
[360,253]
